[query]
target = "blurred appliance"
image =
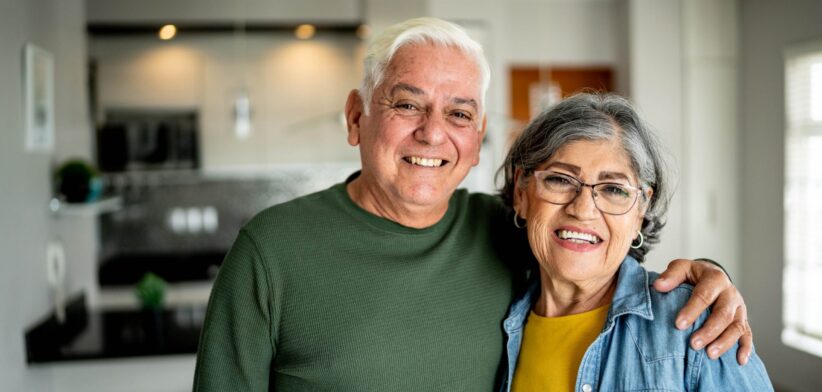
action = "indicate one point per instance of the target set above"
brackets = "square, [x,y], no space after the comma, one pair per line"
[139,139]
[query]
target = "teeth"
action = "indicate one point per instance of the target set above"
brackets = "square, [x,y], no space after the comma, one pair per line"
[579,238]
[427,162]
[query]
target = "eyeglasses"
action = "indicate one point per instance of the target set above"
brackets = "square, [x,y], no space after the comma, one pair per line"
[609,197]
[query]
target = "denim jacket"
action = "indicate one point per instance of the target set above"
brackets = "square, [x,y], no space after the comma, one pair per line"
[639,349]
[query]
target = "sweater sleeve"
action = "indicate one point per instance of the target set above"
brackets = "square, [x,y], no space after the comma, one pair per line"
[237,344]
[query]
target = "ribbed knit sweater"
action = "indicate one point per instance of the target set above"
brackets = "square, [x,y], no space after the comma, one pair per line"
[318,294]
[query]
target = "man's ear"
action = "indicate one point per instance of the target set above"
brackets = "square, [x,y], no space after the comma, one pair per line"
[481,136]
[520,195]
[353,115]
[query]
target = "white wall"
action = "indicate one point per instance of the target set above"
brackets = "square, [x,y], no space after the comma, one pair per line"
[655,38]
[710,130]
[683,80]
[25,223]
[766,28]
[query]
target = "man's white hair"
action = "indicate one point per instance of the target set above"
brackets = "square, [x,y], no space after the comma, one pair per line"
[418,31]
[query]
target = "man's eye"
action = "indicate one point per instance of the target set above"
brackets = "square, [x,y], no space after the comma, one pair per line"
[462,115]
[405,106]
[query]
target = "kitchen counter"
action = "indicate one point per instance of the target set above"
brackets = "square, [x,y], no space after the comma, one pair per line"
[101,334]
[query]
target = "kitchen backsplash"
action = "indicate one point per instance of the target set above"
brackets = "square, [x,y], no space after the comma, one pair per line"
[172,215]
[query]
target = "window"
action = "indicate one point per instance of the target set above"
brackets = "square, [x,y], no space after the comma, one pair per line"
[802,279]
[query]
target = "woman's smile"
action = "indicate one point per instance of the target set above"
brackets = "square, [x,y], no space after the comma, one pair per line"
[577,239]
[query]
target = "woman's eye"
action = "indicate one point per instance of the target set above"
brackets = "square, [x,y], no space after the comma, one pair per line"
[559,183]
[557,180]
[616,190]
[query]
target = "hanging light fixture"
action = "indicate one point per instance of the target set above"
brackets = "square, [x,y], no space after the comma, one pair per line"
[167,32]
[242,99]
[363,31]
[305,31]
[242,115]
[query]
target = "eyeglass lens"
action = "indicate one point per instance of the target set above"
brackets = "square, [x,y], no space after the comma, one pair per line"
[610,198]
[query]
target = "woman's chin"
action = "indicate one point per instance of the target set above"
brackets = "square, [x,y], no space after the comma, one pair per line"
[579,268]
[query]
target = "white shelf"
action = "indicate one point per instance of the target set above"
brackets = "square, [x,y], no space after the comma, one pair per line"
[101,206]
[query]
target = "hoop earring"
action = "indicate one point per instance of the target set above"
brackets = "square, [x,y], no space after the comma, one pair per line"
[516,221]
[641,241]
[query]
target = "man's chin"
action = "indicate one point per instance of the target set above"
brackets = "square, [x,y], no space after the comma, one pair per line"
[422,197]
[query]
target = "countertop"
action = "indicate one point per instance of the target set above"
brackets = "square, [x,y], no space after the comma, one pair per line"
[100,334]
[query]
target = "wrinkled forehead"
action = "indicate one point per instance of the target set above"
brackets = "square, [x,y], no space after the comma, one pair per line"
[434,65]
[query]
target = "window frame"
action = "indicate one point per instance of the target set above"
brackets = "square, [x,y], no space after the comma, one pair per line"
[801,262]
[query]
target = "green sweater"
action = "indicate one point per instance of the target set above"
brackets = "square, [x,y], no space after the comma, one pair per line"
[317,294]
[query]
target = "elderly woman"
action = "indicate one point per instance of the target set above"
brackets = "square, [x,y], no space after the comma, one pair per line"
[586,180]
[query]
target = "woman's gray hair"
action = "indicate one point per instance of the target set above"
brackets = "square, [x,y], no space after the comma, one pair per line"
[418,31]
[597,116]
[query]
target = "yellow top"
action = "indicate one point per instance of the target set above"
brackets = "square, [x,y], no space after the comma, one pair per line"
[552,349]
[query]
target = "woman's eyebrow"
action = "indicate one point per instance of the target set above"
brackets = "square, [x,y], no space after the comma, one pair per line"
[606,175]
[609,175]
[567,166]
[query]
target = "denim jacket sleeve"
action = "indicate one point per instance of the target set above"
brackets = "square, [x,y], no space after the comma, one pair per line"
[724,373]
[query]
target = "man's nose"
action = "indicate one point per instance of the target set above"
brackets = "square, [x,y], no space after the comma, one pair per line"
[583,206]
[432,130]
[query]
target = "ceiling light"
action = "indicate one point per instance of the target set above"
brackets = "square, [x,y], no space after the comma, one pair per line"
[167,32]
[363,31]
[305,31]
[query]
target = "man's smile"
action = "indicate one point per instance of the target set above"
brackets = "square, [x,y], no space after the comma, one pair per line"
[425,162]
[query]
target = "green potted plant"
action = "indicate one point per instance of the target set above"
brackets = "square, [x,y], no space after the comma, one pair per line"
[78,181]
[151,291]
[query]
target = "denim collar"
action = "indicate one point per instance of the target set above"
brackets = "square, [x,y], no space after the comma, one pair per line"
[632,296]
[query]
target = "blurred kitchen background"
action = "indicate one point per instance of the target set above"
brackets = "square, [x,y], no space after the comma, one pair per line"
[191,129]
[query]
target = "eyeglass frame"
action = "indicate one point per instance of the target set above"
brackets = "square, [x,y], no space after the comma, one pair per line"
[580,184]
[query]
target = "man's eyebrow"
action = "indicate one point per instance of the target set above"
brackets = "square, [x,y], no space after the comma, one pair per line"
[406,87]
[418,91]
[466,101]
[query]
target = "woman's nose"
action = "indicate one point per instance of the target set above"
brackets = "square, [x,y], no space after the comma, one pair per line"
[583,206]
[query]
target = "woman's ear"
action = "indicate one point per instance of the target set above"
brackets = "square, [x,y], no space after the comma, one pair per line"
[647,194]
[520,194]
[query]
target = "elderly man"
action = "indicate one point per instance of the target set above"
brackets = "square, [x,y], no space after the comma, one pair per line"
[395,280]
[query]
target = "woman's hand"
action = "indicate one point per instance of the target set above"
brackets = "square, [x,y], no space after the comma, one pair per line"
[728,321]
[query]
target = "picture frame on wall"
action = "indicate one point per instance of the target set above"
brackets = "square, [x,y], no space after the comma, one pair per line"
[38,90]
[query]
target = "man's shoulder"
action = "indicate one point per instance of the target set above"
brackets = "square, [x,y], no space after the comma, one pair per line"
[479,202]
[300,209]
